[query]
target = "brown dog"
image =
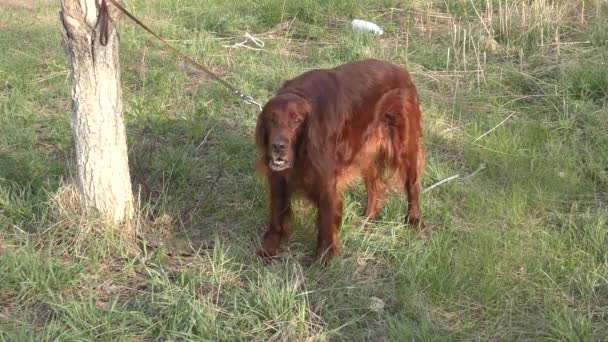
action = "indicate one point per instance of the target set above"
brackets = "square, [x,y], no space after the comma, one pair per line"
[327,126]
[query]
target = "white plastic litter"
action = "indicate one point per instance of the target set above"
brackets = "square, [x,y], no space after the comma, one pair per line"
[367,26]
[248,38]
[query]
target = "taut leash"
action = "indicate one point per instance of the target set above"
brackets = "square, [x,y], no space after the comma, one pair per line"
[104,18]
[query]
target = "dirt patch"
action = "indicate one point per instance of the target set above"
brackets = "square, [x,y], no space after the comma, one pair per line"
[27,4]
[43,313]
[23,4]
[4,246]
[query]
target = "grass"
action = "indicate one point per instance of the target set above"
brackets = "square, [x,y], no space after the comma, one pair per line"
[519,250]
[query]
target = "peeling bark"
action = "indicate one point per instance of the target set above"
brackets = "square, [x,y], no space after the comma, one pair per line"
[97,114]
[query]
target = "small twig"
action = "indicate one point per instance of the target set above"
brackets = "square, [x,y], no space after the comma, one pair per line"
[495,127]
[49,76]
[195,251]
[205,138]
[206,194]
[571,43]
[481,167]
[440,182]
[141,177]
[19,229]
[481,19]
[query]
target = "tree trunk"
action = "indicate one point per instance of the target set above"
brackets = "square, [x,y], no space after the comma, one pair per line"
[97,117]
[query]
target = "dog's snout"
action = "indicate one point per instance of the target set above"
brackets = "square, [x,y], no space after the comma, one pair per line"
[279,145]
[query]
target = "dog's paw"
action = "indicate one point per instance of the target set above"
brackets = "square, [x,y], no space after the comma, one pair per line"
[326,251]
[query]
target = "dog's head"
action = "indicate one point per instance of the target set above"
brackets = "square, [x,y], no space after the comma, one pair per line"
[280,130]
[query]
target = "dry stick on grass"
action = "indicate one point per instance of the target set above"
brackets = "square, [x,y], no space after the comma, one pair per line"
[205,138]
[495,127]
[481,167]
[207,193]
[139,174]
[440,182]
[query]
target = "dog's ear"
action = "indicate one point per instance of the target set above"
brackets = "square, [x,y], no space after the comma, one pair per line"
[261,142]
[304,113]
[305,108]
[314,139]
[261,136]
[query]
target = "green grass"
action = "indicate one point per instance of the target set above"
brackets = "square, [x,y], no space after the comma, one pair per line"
[519,250]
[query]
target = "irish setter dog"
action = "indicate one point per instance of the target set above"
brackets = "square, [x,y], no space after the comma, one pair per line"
[328,126]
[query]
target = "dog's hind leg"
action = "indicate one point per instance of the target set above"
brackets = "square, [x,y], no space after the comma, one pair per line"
[402,117]
[412,177]
[375,191]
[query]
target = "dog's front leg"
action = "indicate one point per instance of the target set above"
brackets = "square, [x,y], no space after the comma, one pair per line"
[279,226]
[330,205]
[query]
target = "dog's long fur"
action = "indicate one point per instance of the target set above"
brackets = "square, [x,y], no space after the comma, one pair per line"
[328,126]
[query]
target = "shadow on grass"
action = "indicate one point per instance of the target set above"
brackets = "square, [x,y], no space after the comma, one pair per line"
[198,175]
[28,178]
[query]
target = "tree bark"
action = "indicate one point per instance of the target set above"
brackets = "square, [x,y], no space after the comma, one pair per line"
[97,118]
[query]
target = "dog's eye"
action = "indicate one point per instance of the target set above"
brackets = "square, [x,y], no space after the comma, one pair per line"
[297,120]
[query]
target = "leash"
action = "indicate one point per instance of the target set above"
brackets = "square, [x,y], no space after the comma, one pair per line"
[105,17]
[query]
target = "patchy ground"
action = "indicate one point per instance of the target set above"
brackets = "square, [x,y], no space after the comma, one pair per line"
[514,95]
